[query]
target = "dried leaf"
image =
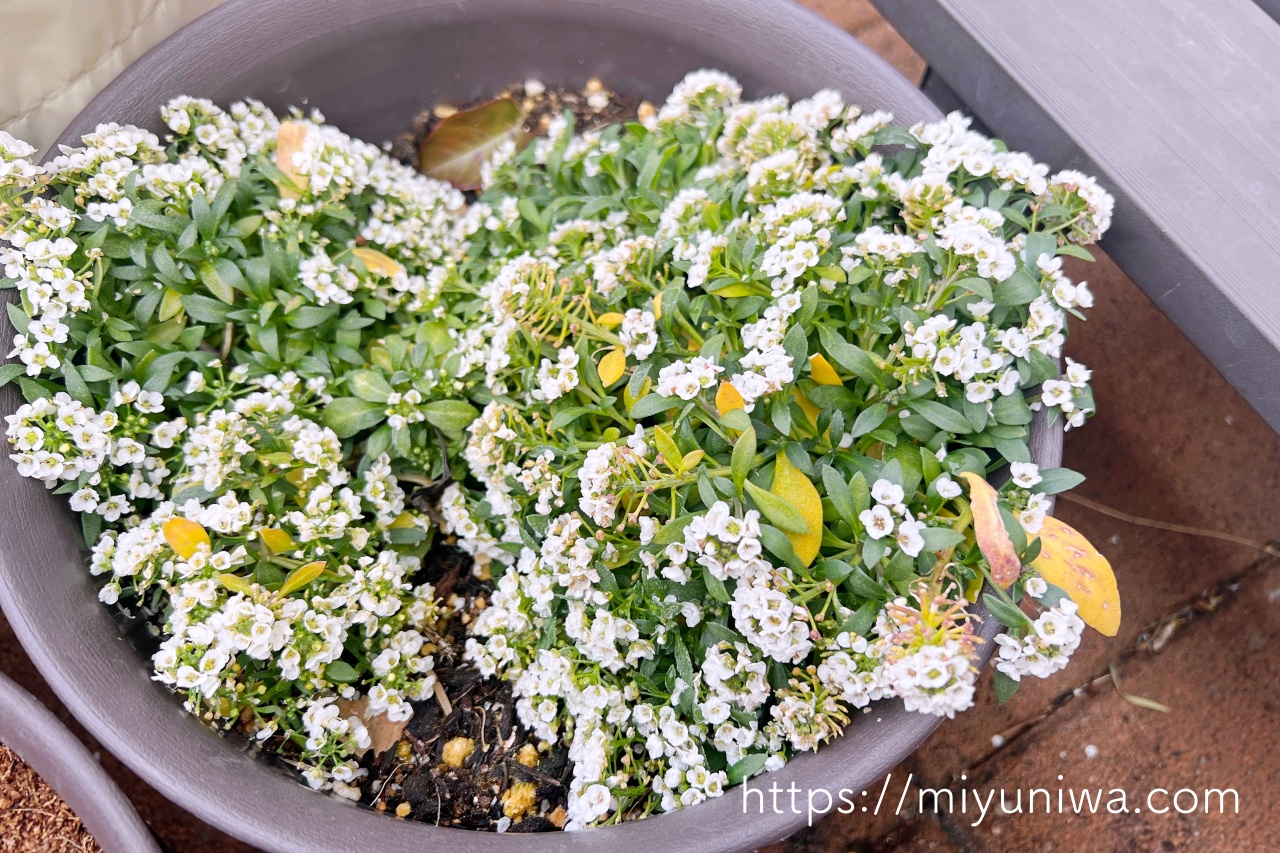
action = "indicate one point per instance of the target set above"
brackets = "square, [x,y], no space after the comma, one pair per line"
[790,484]
[185,536]
[822,371]
[1069,561]
[459,145]
[300,577]
[993,539]
[277,540]
[728,399]
[378,263]
[612,366]
[1140,701]
[383,732]
[290,141]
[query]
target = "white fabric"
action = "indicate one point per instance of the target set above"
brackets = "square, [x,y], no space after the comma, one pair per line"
[57,54]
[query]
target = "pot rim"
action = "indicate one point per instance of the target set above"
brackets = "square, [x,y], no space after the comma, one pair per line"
[107,686]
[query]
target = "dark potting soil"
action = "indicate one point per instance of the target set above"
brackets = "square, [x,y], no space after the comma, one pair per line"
[34,819]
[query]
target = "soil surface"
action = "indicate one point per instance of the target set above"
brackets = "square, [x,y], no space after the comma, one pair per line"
[470,764]
[33,819]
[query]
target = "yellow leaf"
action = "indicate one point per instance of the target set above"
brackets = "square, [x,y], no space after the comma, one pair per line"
[728,398]
[378,263]
[185,537]
[657,307]
[822,371]
[1069,561]
[692,458]
[404,521]
[794,487]
[988,528]
[612,366]
[300,577]
[235,583]
[277,540]
[644,389]
[613,318]
[289,142]
[806,405]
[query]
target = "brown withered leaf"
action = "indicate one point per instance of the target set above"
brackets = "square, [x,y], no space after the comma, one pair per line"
[383,733]
[459,145]
[988,528]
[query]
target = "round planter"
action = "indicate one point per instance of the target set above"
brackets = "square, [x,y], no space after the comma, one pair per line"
[369,67]
[51,750]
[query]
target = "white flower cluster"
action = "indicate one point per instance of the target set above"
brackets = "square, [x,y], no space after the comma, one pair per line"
[1047,648]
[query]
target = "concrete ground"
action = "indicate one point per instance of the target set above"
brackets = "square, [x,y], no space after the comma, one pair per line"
[1200,637]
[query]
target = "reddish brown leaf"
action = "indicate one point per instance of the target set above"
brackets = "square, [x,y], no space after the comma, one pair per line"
[459,145]
[988,528]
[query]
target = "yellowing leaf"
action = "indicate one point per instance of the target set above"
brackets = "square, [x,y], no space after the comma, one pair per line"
[692,458]
[170,305]
[657,307]
[728,398]
[794,487]
[988,528]
[732,291]
[612,366]
[289,142]
[630,401]
[822,371]
[378,263]
[613,318]
[459,145]
[806,405]
[235,583]
[277,540]
[185,536]
[404,521]
[300,577]
[1069,561]
[667,447]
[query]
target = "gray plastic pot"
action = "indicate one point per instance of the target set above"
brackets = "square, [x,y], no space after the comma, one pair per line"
[369,66]
[51,750]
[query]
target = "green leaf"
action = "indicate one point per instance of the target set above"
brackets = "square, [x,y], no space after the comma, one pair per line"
[10,372]
[851,358]
[778,511]
[744,769]
[744,451]
[715,586]
[1018,289]
[459,145]
[869,419]
[369,385]
[341,672]
[1005,687]
[940,538]
[347,416]
[202,309]
[840,494]
[1006,614]
[673,531]
[861,492]
[941,416]
[1056,480]
[223,278]
[76,386]
[652,404]
[450,415]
